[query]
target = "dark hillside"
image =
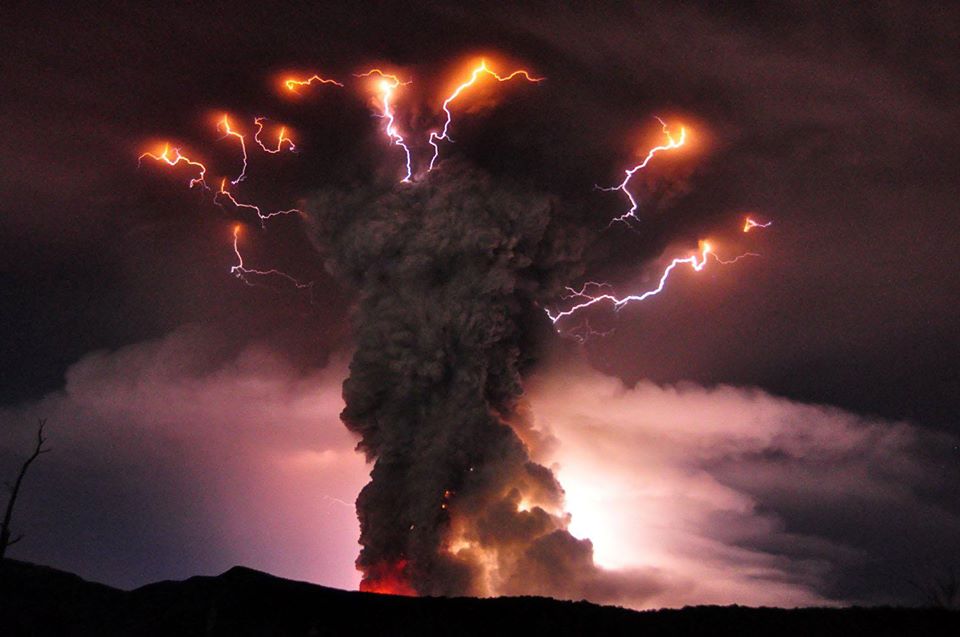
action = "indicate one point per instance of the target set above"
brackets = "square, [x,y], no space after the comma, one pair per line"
[36,600]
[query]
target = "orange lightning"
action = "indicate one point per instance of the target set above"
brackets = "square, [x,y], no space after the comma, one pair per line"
[176,158]
[479,70]
[628,174]
[280,138]
[224,125]
[386,86]
[292,83]
[749,224]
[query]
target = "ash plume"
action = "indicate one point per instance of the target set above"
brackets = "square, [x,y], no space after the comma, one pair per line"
[451,273]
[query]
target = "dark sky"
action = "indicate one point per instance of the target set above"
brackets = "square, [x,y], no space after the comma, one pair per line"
[838,122]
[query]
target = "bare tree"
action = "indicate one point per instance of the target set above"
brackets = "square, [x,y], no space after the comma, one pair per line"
[5,540]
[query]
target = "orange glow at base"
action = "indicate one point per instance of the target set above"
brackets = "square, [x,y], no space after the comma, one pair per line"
[388,578]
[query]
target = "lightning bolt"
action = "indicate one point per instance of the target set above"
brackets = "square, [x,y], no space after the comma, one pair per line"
[280,138]
[242,272]
[749,224]
[176,158]
[696,262]
[628,174]
[224,125]
[475,74]
[293,83]
[225,194]
[386,86]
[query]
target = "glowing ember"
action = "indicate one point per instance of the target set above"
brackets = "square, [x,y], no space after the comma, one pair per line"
[388,578]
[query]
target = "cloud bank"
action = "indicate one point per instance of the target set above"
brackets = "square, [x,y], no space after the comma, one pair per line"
[174,457]
[743,497]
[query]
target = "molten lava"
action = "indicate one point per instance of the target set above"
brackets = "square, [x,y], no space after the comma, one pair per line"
[388,578]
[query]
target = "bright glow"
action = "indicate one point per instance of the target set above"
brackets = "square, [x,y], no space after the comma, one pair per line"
[749,224]
[628,174]
[293,83]
[172,157]
[480,69]
[224,125]
[694,261]
[281,138]
[386,87]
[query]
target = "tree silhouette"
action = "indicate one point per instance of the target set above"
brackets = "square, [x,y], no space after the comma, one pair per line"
[5,540]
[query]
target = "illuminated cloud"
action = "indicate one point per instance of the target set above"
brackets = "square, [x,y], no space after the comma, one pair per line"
[176,457]
[743,497]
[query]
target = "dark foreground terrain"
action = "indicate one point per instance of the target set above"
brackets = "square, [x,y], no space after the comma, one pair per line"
[36,600]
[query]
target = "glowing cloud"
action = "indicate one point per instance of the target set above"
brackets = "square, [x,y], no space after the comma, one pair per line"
[671,144]
[475,74]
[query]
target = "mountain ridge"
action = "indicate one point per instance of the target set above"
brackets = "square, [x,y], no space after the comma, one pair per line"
[40,600]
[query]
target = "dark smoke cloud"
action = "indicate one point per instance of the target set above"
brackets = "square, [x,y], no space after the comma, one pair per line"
[451,274]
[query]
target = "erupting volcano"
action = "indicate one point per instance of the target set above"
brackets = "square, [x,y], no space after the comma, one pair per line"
[455,271]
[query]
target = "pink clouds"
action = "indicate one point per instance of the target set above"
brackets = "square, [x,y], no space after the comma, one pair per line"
[732,492]
[174,458]
[229,461]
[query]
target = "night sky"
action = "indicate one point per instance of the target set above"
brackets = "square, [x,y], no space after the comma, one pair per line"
[783,430]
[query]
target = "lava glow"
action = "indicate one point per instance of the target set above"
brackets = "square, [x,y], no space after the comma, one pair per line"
[385,88]
[670,144]
[749,224]
[281,138]
[172,157]
[480,69]
[224,125]
[292,83]
[388,578]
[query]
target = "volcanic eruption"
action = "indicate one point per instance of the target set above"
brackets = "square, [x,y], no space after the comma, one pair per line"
[450,275]
[454,271]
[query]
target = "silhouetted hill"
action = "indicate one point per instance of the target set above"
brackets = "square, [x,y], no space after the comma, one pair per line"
[37,600]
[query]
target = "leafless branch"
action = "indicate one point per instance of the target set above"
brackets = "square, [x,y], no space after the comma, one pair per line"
[5,540]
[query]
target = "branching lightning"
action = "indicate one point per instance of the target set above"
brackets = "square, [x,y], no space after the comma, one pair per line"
[590,294]
[224,125]
[386,87]
[628,174]
[242,272]
[223,193]
[293,83]
[696,261]
[176,158]
[281,138]
[749,224]
[475,74]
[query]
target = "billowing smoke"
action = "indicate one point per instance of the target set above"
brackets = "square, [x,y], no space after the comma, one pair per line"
[451,273]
